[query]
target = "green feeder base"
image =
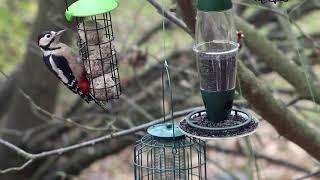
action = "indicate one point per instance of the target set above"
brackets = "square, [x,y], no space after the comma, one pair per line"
[167,131]
[86,8]
[218,104]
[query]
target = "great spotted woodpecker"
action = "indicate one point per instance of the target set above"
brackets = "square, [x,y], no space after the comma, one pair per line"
[64,63]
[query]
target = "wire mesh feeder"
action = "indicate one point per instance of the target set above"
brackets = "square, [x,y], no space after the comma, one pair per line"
[239,123]
[95,42]
[99,56]
[160,155]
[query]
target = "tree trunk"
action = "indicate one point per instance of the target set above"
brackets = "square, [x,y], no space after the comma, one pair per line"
[37,82]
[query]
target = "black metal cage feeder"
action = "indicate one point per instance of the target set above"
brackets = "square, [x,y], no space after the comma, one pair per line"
[99,56]
[96,48]
[162,155]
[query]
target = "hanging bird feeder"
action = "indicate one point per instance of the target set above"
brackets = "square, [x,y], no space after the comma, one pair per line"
[166,153]
[95,42]
[216,50]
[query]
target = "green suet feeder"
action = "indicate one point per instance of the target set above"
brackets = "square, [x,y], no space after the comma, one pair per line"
[216,51]
[166,153]
[96,48]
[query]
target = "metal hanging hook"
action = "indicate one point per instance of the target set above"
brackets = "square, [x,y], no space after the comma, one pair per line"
[165,71]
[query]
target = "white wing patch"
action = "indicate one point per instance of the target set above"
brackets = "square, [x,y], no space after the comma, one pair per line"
[58,71]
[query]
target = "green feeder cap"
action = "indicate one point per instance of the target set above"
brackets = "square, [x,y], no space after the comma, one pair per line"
[165,131]
[85,8]
[214,5]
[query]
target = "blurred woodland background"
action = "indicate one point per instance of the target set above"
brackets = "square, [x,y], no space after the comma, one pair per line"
[278,80]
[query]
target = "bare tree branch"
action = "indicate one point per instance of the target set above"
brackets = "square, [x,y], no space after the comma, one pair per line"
[282,119]
[171,17]
[84,144]
[273,160]
[147,35]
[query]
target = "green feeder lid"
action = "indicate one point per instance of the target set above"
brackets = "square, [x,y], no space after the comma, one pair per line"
[214,5]
[165,131]
[85,8]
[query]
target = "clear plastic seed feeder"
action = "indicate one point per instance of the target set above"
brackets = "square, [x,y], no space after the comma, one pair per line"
[96,49]
[216,51]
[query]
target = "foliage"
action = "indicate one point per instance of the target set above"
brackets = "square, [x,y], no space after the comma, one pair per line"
[15,20]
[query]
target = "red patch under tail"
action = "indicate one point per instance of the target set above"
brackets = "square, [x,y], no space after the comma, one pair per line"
[84,84]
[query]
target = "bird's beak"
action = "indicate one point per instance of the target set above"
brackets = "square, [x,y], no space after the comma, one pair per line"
[58,35]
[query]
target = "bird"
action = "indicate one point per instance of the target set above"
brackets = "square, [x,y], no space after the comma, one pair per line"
[64,64]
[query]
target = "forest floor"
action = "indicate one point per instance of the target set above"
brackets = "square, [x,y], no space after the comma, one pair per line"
[119,166]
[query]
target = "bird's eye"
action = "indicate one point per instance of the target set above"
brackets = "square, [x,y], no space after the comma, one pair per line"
[48,36]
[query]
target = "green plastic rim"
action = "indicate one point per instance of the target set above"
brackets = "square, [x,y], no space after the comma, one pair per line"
[165,131]
[249,118]
[86,8]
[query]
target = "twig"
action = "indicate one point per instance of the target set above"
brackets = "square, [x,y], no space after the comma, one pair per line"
[171,17]
[252,159]
[106,128]
[19,168]
[286,16]
[316,173]
[294,101]
[137,107]
[43,114]
[296,7]
[225,170]
[147,35]
[73,108]
[11,132]
[7,90]
[257,155]
[84,144]
[38,109]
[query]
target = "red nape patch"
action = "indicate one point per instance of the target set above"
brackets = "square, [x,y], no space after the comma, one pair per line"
[84,84]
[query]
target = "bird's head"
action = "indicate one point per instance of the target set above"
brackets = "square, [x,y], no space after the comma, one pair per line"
[48,39]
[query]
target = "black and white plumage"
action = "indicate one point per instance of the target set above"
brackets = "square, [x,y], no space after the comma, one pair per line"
[64,63]
[59,66]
